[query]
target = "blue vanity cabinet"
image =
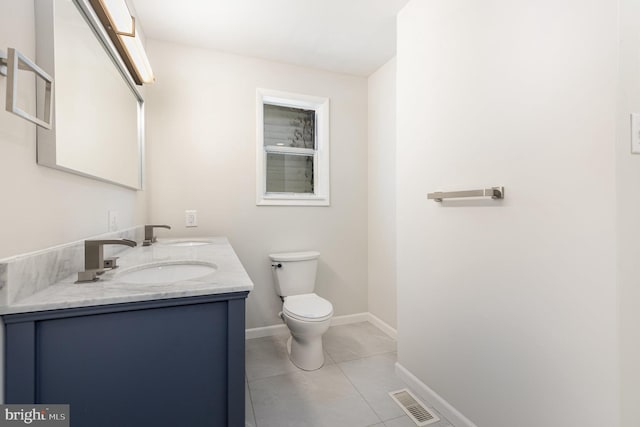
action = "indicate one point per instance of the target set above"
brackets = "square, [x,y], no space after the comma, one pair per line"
[173,362]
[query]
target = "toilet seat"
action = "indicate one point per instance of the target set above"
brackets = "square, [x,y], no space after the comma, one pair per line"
[307,308]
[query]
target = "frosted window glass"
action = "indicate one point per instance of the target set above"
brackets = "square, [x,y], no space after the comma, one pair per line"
[288,173]
[289,127]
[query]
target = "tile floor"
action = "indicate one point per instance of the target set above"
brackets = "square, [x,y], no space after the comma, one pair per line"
[350,390]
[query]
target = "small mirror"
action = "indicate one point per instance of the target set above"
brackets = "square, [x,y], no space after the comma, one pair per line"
[97,110]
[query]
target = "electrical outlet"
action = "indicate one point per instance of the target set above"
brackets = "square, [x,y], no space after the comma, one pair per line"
[113,221]
[191,218]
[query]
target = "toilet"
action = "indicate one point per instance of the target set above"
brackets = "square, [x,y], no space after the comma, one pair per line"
[306,314]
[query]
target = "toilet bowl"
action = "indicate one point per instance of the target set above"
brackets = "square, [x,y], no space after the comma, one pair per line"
[306,314]
[308,317]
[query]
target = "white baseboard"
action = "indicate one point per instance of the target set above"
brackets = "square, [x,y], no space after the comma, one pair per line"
[432,398]
[267,331]
[383,326]
[349,318]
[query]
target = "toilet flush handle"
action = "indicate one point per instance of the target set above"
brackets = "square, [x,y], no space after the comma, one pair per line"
[276,265]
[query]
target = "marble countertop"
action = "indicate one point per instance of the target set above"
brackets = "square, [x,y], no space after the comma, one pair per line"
[229,276]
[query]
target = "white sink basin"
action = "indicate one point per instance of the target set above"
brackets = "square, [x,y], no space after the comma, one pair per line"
[167,272]
[185,243]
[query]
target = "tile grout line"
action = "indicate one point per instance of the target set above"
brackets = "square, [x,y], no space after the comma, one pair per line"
[249,381]
[253,411]
[397,418]
[338,364]
[367,356]
[358,391]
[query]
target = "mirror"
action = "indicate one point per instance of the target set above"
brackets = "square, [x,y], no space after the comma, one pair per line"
[97,110]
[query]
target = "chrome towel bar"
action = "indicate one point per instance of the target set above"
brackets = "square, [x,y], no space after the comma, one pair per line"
[493,192]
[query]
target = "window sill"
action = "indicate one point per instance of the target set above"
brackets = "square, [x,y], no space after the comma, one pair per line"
[292,200]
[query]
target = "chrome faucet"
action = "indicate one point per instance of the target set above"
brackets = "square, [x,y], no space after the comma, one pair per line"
[149,238]
[94,261]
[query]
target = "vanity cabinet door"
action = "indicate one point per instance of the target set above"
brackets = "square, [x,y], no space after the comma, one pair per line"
[150,365]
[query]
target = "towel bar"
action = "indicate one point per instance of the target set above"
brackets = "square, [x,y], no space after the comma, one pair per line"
[10,63]
[493,192]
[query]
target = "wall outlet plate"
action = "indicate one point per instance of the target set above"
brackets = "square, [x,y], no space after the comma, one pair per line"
[191,218]
[635,133]
[113,221]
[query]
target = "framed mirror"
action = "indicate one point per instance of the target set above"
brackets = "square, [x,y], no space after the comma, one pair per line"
[98,112]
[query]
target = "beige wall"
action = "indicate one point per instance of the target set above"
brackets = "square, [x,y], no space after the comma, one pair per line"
[42,207]
[538,331]
[201,155]
[382,193]
[508,307]
[628,204]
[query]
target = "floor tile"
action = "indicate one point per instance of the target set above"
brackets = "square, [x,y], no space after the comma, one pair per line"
[443,421]
[323,398]
[374,377]
[356,340]
[249,419]
[407,422]
[400,422]
[351,393]
[268,356]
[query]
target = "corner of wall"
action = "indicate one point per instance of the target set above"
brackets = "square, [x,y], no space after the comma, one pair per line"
[381,193]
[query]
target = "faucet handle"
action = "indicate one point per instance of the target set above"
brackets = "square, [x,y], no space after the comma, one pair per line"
[111,262]
[149,238]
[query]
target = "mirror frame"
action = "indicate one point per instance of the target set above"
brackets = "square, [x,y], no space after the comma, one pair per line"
[45,54]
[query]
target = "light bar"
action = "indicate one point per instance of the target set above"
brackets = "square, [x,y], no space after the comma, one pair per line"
[121,27]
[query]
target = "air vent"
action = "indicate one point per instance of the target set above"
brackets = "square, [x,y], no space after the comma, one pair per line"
[415,409]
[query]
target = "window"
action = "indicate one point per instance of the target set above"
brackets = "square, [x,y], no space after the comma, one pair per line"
[292,149]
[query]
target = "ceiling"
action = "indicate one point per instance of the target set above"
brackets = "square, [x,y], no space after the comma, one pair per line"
[346,36]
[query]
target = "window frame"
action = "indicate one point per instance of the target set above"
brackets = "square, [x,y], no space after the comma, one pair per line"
[321,168]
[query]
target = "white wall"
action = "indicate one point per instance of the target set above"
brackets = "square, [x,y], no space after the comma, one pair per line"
[201,155]
[507,309]
[42,206]
[382,193]
[628,205]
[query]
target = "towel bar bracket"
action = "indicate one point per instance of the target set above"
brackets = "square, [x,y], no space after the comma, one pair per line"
[10,62]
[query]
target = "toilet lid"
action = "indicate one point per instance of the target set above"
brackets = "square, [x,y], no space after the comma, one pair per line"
[307,307]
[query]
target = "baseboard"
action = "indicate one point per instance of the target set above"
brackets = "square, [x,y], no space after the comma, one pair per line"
[349,318]
[432,398]
[383,326]
[267,331]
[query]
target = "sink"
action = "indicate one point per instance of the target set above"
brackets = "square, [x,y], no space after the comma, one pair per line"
[185,243]
[166,272]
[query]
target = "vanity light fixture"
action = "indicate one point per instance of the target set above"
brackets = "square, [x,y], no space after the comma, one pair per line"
[121,27]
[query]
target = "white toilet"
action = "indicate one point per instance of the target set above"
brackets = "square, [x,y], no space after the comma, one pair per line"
[306,314]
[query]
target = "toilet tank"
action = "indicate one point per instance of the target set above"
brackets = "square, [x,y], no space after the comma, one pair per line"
[294,273]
